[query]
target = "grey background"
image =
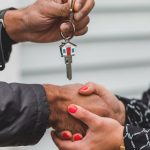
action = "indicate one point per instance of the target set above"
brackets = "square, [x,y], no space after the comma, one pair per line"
[115,53]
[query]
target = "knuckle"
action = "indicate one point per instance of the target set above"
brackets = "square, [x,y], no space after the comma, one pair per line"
[64,10]
[97,124]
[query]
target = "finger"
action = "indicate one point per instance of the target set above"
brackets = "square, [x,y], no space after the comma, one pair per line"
[67,27]
[92,88]
[65,135]
[59,10]
[78,5]
[77,137]
[84,115]
[61,144]
[85,10]
[81,32]
[82,24]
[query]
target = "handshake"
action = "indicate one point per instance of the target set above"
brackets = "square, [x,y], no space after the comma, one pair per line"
[92,97]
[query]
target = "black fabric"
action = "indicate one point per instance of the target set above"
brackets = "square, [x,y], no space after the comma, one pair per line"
[2,58]
[23,114]
[5,41]
[137,128]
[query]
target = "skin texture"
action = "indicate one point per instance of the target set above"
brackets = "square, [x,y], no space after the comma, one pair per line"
[44,20]
[108,102]
[103,133]
[59,119]
[115,106]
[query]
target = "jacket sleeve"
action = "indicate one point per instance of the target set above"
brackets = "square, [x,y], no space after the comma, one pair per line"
[6,42]
[137,128]
[23,114]
[138,111]
[136,138]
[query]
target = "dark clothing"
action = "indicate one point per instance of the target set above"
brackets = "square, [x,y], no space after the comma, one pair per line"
[23,114]
[137,128]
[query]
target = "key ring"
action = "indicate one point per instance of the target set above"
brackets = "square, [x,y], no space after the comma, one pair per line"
[71,22]
[72,34]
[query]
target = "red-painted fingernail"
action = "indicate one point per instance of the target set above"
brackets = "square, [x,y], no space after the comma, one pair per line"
[65,135]
[77,137]
[72,109]
[84,88]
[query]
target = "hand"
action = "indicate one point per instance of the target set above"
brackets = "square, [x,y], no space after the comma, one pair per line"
[115,107]
[59,119]
[103,133]
[41,22]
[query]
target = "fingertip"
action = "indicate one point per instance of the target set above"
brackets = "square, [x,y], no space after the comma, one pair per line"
[77,137]
[72,109]
[64,27]
[82,31]
[66,135]
[84,88]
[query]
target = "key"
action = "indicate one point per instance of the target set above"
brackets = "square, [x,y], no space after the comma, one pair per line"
[67,50]
[68,61]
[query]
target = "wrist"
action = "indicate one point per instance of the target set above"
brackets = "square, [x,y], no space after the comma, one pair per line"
[52,92]
[15,25]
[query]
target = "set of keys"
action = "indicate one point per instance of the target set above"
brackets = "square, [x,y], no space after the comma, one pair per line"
[67,48]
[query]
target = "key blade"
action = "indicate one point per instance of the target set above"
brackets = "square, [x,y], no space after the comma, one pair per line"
[69,71]
[68,61]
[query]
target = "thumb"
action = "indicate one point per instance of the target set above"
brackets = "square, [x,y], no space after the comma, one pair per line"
[84,115]
[60,10]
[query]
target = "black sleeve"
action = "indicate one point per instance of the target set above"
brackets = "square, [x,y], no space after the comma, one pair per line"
[5,41]
[138,111]
[6,45]
[136,138]
[137,128]
[23,114]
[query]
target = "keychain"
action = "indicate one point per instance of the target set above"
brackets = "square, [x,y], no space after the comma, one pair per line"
[67,48]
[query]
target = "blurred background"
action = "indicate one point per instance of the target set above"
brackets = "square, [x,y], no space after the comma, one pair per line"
[115,53]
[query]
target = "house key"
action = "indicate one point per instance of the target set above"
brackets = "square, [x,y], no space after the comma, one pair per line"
[67,48]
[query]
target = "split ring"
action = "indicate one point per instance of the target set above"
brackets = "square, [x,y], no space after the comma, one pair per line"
[73,31]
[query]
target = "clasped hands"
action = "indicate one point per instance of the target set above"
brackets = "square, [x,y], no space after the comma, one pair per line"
[87,116]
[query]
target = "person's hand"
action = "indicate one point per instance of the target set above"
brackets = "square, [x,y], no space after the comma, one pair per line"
[103,133]
[59,119]
[42,21]
[114,106]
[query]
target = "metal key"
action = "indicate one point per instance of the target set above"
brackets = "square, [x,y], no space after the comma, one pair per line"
[68,61]
[67,48]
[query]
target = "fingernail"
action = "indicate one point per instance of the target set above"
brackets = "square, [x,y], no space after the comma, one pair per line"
[65,135]
[77,137]
[72,109]
[84,88]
